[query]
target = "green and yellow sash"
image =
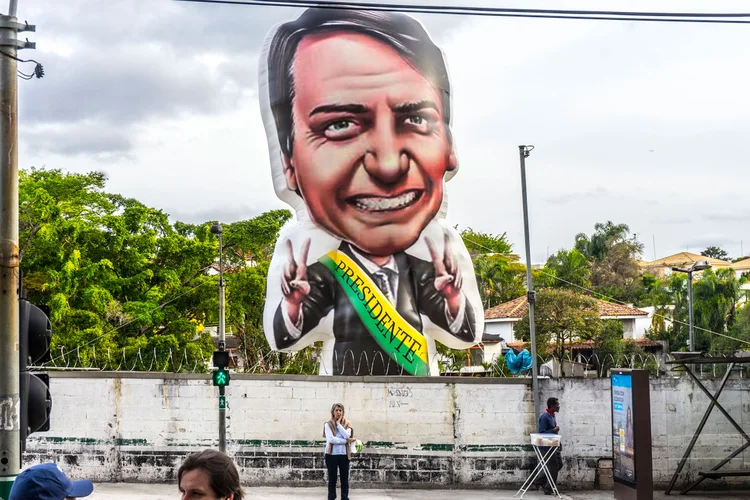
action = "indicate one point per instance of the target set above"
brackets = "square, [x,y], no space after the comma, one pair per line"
[394,334]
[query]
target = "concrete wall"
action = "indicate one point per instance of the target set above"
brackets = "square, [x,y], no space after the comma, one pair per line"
[421,431]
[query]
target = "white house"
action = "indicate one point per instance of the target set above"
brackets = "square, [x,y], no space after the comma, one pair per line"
[499,321]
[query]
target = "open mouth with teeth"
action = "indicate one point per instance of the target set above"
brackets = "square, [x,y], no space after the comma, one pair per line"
[385,204]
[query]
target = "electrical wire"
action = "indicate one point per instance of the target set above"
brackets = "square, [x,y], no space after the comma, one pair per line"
[38,69]
[680,17]
[610,299]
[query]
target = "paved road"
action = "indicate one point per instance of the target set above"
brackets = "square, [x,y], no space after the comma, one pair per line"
[126,491]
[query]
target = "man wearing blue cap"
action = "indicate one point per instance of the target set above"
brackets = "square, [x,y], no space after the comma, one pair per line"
[48,482]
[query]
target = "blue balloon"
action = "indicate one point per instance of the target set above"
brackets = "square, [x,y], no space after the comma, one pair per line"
[518,362]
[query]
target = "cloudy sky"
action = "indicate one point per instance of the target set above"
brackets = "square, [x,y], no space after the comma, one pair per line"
[641,123]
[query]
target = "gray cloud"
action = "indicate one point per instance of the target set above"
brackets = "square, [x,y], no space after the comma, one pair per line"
[567,197]
[114,65]
[678,220]
[131,85]
[729,216]
[222,213]
[699,243]
[73,139]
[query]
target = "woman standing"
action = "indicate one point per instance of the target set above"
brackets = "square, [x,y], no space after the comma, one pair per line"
[338,433]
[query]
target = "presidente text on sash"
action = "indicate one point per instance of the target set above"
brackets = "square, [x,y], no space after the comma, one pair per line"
[395,335]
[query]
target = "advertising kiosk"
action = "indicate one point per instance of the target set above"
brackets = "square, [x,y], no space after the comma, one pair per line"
[631,435]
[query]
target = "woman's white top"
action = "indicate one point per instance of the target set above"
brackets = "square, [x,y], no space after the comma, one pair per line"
[338,441]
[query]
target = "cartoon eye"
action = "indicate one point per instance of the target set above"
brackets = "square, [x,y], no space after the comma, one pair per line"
[418,123]
[341,129]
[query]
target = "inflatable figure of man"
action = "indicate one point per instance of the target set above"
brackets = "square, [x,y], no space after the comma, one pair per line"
[357,110]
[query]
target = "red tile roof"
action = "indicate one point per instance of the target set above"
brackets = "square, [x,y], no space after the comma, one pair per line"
[589,344]
[519,308]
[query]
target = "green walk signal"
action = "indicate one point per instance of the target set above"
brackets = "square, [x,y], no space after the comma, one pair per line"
[221,377]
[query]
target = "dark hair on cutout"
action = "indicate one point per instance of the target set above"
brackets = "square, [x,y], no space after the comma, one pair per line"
[222,474]
[551,402]
[399,31]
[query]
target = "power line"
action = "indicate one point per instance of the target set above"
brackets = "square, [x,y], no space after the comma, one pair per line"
[610,299]
[679,17]
[38,69]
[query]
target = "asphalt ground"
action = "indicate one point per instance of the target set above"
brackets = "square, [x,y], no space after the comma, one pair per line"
[125,491]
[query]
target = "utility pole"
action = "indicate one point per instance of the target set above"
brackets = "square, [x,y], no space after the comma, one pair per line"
[691,331]
[697,266]
[524,152]
[221,357]
[10,421]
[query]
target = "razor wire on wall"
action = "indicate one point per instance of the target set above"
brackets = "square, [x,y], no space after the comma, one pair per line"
[308,362]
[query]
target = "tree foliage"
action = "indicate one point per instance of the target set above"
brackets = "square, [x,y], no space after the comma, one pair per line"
[118,276]
[715,253]
[715,299]
[500,276]
[561,316]
[571,268]
[740,330]
[613,255]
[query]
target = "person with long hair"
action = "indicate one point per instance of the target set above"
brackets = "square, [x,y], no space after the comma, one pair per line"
[209,475]
[339,434]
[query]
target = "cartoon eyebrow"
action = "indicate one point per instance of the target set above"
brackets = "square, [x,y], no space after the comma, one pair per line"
[356,109]
[411,107]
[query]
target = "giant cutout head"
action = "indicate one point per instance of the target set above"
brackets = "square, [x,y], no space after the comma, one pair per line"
[357,111]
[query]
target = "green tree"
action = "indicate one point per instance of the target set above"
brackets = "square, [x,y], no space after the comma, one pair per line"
[613,255]
[608,345]
[669,297]
[121,280]
[561,316]
[251,242]
[114,272]
[740,332]
[596,246]
[715,253]
[715,297]
[571,268]
[500,276]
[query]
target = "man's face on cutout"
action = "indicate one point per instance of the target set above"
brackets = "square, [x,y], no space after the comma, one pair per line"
[370,146]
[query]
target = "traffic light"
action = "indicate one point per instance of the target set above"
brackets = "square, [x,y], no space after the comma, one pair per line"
[35,334]
[220,376]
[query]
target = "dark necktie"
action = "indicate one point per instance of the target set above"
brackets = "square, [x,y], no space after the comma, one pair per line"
[382,279]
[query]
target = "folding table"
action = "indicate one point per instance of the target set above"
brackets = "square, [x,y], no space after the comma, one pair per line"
[539,441]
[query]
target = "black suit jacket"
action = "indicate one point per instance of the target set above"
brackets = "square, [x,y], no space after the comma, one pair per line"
[355,351]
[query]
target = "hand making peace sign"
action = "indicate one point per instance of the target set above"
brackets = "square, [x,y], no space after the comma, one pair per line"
[294,284]
[448,278]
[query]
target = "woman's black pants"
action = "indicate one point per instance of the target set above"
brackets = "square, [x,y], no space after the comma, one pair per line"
[340,464]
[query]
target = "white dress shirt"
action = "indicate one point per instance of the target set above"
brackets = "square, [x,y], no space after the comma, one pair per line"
[338,441]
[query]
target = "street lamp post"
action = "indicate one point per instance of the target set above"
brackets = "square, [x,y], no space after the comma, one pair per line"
[698,266]
[216,229]
[524,152]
